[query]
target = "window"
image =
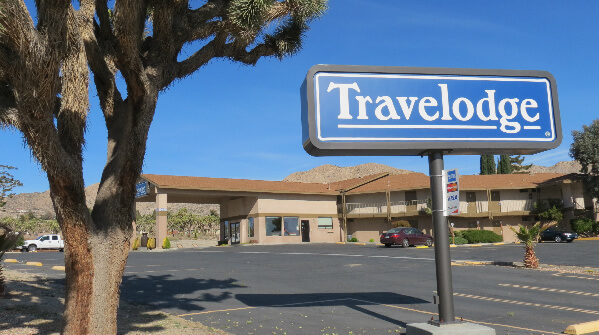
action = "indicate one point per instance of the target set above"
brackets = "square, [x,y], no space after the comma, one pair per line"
[54,238]
[273,225]
[291,226]
[250,227]
[411,196]
[325,223]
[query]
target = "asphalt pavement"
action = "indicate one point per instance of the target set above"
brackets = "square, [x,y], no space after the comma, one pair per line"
[354,289]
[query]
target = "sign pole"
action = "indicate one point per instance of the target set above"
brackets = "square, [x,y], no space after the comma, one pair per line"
[442,256]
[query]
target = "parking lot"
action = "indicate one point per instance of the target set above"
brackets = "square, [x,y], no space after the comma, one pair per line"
[355,289]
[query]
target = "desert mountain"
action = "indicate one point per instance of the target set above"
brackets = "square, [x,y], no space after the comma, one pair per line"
[41,204]
[561,167]
[331,173]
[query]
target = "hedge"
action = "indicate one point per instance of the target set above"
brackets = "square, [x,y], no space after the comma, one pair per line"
[480,236]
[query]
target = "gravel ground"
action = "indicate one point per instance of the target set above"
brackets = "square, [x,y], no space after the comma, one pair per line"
[34,305]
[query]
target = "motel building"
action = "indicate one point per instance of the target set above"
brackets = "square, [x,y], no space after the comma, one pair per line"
[257,211]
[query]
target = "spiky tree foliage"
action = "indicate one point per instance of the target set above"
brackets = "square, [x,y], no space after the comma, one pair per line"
[487,165]
[44,79]
[529,236]
[8,240]
[516,162]
[7,183]
[585,150]
[504,166]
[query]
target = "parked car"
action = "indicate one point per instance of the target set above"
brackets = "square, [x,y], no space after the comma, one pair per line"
[406,236]
[51,241]
[557,235]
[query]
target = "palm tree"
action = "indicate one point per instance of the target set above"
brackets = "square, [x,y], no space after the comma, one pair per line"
[530,236]
[8,240]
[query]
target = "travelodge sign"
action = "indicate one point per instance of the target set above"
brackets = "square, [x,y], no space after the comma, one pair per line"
[366,110]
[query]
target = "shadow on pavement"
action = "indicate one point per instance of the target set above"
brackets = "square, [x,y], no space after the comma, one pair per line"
[354,301]
[164,292]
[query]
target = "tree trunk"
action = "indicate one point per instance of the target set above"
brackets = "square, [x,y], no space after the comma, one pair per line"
[530,258]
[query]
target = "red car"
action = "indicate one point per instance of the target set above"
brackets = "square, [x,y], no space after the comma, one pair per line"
[406,236]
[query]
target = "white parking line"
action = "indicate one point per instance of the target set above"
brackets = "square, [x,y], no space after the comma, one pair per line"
[515,302]
[551,290]
[577,277]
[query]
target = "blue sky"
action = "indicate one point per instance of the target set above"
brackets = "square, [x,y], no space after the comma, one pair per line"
[233,121]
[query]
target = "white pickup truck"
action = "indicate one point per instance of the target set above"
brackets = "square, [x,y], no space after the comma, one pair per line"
[51,241]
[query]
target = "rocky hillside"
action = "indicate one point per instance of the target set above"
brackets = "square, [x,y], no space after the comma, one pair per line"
[41,204]
[561,167]
[331,173]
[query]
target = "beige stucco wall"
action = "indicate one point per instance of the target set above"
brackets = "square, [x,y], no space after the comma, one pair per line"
[304,207]
[368,228]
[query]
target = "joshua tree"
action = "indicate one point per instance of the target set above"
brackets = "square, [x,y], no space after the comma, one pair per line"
[8,240]
[45,60]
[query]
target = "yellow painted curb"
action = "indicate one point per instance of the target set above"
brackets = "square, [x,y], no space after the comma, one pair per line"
[340,242]
[58,268]
[34,263]
[475,245]
[500,243]
[358,243]
[452,245]
[583,328]
[11,261]
[588,238]
[421,247]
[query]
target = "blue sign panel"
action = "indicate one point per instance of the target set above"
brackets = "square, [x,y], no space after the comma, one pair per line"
[142,189]
[408,110]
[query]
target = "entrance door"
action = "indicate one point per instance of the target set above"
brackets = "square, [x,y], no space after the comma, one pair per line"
[471,201]
[497,227]
[411,202]
[305,230]
[234,233]
[495,205]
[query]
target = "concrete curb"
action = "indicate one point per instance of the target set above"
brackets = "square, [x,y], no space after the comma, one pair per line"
[34,263]
[58,268]
[588,238]
[583,328]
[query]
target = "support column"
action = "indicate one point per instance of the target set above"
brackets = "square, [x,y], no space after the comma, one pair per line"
[446,325]
[442,255]
[161,218]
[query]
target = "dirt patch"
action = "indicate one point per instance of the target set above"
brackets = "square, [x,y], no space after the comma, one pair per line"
[34,305]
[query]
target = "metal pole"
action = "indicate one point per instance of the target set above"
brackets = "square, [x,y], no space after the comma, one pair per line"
[442,256]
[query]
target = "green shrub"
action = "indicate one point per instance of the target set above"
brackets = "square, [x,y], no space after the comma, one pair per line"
[480,236]
[458,240]
[166,244]
[151,243]
[400,223]
[371,240]
[353,239]
[20,240]
[583,226]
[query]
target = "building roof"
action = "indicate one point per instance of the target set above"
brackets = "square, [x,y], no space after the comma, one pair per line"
[240,185]
[368,184]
